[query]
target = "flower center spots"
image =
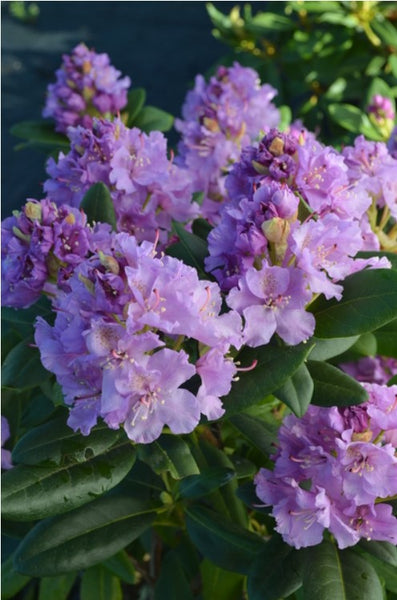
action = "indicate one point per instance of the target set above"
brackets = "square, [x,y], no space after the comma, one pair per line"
[359,462]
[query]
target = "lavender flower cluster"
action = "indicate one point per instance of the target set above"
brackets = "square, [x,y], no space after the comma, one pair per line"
[86,85]
[116,345]
[297,214]
[334,466]
[219,119]
[148,190]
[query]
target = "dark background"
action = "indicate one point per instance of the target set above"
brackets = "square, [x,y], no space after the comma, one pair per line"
[160,45]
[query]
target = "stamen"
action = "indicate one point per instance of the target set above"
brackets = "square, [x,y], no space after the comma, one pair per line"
[208,290]
[250,368]
[157,299]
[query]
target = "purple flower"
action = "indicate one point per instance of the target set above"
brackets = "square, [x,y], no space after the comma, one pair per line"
[219,118]
[271,300]
[392,143]
[372,369]
[6,462]
[86,85]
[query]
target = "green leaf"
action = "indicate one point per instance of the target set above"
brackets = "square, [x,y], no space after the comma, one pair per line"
[40,132]
[386,338]
[169,453]
[23,320]
[297,391]
[369,301]
[191,249]
[172,577]
[340,575]
[98,584]
[332,387]
[11,581]
[220,584]
[98,205]
[121,565]
[22,368]
[54,441]
[325,349]
[269,21]
[386,572]
[223,542]
[259,433]
[275,365]
[385,30]
[151,118]
[383,551]
[366,345]
[84,536]
[195,486]
[285,117]
[35,492]
[275,572]
[201,228]
[56,587]
[353,119]
[136,100]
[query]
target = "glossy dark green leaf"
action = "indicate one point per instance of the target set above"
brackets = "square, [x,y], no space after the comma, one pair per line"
[196,486]
[169,453]
[97,583]
[40,132]
[386,338]
[23,320]
[275,365]
[333,387]
[201,228]
[275,572]
[83,537]
[98,205]
[259,433]
[136,100]
[121,565]
[58,588]
[22,368]
[220,584]
[386,572]
[325,349]
[54,442]
[297,391]
[384,551]
[172,579]
[191,249]
[350,117]
[340,575]
[223,542]
[36,492]
[369,301]
[151,118]
[11,581]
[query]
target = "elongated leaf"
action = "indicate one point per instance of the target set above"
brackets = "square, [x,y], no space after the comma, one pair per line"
[297,391]
[151,118]
[386,572]
[353,119]
[121,565]
[40,132]
[325,349]
[386,338]
[275,365]
[56,587]
[98,205]
[223,542]
[369,301]
[54,441]
[275,573]
[83,537]
[385,30]
[191,249]
[98,583]
[169,453]
[259,433]
[11,581]
[195,486]
[340,575]
[220,584]
[22,368]
[136,100]
[382,550]
[172,577]
[333,387]
[35,492]
[23,320]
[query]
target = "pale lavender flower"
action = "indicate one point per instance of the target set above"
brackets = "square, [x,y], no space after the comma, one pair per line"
[6,462]
[86,85]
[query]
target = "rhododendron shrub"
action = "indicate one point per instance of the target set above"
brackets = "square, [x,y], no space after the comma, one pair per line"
[200,353]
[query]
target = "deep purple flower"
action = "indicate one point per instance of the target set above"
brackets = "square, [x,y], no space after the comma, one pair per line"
[86,85]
